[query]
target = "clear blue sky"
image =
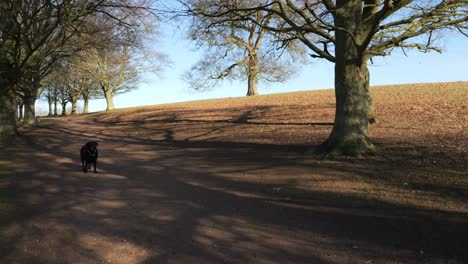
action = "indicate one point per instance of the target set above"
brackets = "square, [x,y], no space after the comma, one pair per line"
[452,65]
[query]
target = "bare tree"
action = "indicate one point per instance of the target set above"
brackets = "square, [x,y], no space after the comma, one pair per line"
[48,95]
[114,71]
[33,30]
[56,87]
[349,33]
[73,90]
[238,48]
[115,64]
[63,99]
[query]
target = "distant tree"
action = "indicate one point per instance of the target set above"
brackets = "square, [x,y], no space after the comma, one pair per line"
[113,70]
[63,98]
[88,91]
[52,86]
[55,88]
[74,94]
[48,95]
[72,83]
[349,33]
[115,65]
[19,103]
[238,48]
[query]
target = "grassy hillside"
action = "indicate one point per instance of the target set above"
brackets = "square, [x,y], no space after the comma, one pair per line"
[419,114]
[236,180]
[421,130]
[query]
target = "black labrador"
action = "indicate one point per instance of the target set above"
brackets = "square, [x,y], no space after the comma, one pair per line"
[89,154]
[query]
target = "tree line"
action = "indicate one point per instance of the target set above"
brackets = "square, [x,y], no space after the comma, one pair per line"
[70,49]
[73,49]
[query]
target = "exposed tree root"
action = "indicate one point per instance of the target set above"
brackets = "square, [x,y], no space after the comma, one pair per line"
[358,148]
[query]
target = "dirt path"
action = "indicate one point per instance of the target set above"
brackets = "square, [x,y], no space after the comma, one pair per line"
[166,201]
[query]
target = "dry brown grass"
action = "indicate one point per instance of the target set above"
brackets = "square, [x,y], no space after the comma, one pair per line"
[421,133]
[236,180]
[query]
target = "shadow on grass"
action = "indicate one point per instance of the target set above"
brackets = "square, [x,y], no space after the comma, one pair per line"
[178,201]
[231,116]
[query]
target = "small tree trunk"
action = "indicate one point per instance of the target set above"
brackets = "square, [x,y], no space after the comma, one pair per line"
[20,111]
[109,98]
[55,107]
[50,102]
[252,81]
[64,108]
[29,110]
[74,105]
[7,113]
[55,101]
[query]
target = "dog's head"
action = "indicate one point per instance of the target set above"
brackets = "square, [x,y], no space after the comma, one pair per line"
[92,147]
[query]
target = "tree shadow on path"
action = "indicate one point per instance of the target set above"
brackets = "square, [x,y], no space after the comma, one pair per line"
[175,201]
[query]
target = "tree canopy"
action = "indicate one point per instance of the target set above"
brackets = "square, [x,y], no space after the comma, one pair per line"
[34,34]
[238,49]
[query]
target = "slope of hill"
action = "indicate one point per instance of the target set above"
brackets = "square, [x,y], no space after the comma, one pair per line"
[236,181]
[422,129]
[430,116]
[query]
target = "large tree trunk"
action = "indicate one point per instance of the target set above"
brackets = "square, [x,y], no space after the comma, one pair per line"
[7,113]
[349,135]
[29,110]
[29,99]
[252,76]
[109,98]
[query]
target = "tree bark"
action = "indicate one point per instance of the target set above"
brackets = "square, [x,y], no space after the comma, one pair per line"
[7,113]
[55,101]
[55,107]
[64,108]
[86,104]
[349,136]
[20,111]
[74,106]
[50,102]
[371,115]
[109,98]
[29,110]
[252,75]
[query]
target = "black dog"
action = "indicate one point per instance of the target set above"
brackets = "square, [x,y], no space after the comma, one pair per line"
[89,154]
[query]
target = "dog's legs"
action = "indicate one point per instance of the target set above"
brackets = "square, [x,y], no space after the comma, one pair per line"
[94,163]
[83,165]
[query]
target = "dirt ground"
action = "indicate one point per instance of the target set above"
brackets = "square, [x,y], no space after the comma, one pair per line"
[238,181]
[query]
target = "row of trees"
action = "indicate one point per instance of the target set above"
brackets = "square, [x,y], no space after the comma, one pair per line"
[91,48]
[70,48]
[97,73]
